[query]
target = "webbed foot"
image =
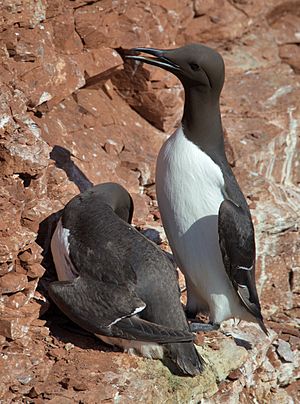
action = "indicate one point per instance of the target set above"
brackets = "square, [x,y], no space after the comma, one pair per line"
[203,327]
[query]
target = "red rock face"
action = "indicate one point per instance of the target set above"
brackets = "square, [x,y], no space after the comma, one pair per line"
[72,115]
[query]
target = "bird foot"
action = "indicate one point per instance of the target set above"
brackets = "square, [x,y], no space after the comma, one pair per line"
[204,327]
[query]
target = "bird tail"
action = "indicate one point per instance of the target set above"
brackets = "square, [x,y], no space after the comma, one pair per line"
[184,359]
[262,325]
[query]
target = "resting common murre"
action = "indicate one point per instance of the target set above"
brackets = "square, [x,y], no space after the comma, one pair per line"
[204,212]
[116,283]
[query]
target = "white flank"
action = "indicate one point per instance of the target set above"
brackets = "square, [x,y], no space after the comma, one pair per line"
[150,350]
[190,189]
[60,251]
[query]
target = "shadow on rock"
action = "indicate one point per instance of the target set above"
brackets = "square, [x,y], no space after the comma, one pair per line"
[67,332]
[62,158]
[61,327]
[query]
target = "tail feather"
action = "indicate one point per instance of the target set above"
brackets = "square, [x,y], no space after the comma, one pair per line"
[185,358]
[262,326]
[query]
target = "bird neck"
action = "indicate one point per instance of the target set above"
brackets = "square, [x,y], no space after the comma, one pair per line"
[201,120]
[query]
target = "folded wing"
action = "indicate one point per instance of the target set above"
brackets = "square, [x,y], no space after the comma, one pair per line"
[236,238]
[110,310]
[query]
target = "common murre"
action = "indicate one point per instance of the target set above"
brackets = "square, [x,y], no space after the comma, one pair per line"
[116,283]
[204,212]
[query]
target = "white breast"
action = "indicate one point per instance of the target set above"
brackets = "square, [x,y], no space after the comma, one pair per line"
[190,189]
[189,180]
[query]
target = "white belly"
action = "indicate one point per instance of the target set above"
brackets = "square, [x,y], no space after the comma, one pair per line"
[190,190]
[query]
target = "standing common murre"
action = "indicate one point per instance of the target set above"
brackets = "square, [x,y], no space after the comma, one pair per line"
[204,212]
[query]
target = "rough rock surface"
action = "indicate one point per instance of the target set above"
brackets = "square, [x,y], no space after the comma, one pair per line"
[72,115]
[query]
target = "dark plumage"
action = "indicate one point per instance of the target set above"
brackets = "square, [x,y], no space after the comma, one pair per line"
[204,212]
[114,282]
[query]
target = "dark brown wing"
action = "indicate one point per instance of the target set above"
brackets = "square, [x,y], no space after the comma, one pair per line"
[236,238]
[108,310]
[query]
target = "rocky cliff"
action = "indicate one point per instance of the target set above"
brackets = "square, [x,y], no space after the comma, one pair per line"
[72,115]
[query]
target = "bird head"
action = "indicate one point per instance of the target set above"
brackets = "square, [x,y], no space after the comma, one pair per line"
[195,65]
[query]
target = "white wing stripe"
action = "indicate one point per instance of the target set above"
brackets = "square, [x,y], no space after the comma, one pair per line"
[245,268]
[137,310]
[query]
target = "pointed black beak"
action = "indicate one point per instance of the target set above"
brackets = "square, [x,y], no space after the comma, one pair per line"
[159,58]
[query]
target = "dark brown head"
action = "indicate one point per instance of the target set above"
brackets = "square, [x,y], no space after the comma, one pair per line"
[195,65]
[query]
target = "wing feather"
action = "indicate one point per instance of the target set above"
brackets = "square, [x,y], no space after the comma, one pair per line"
[104,309]
[236,238]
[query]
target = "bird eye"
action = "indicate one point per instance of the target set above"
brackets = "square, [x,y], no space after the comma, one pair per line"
[194,66]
